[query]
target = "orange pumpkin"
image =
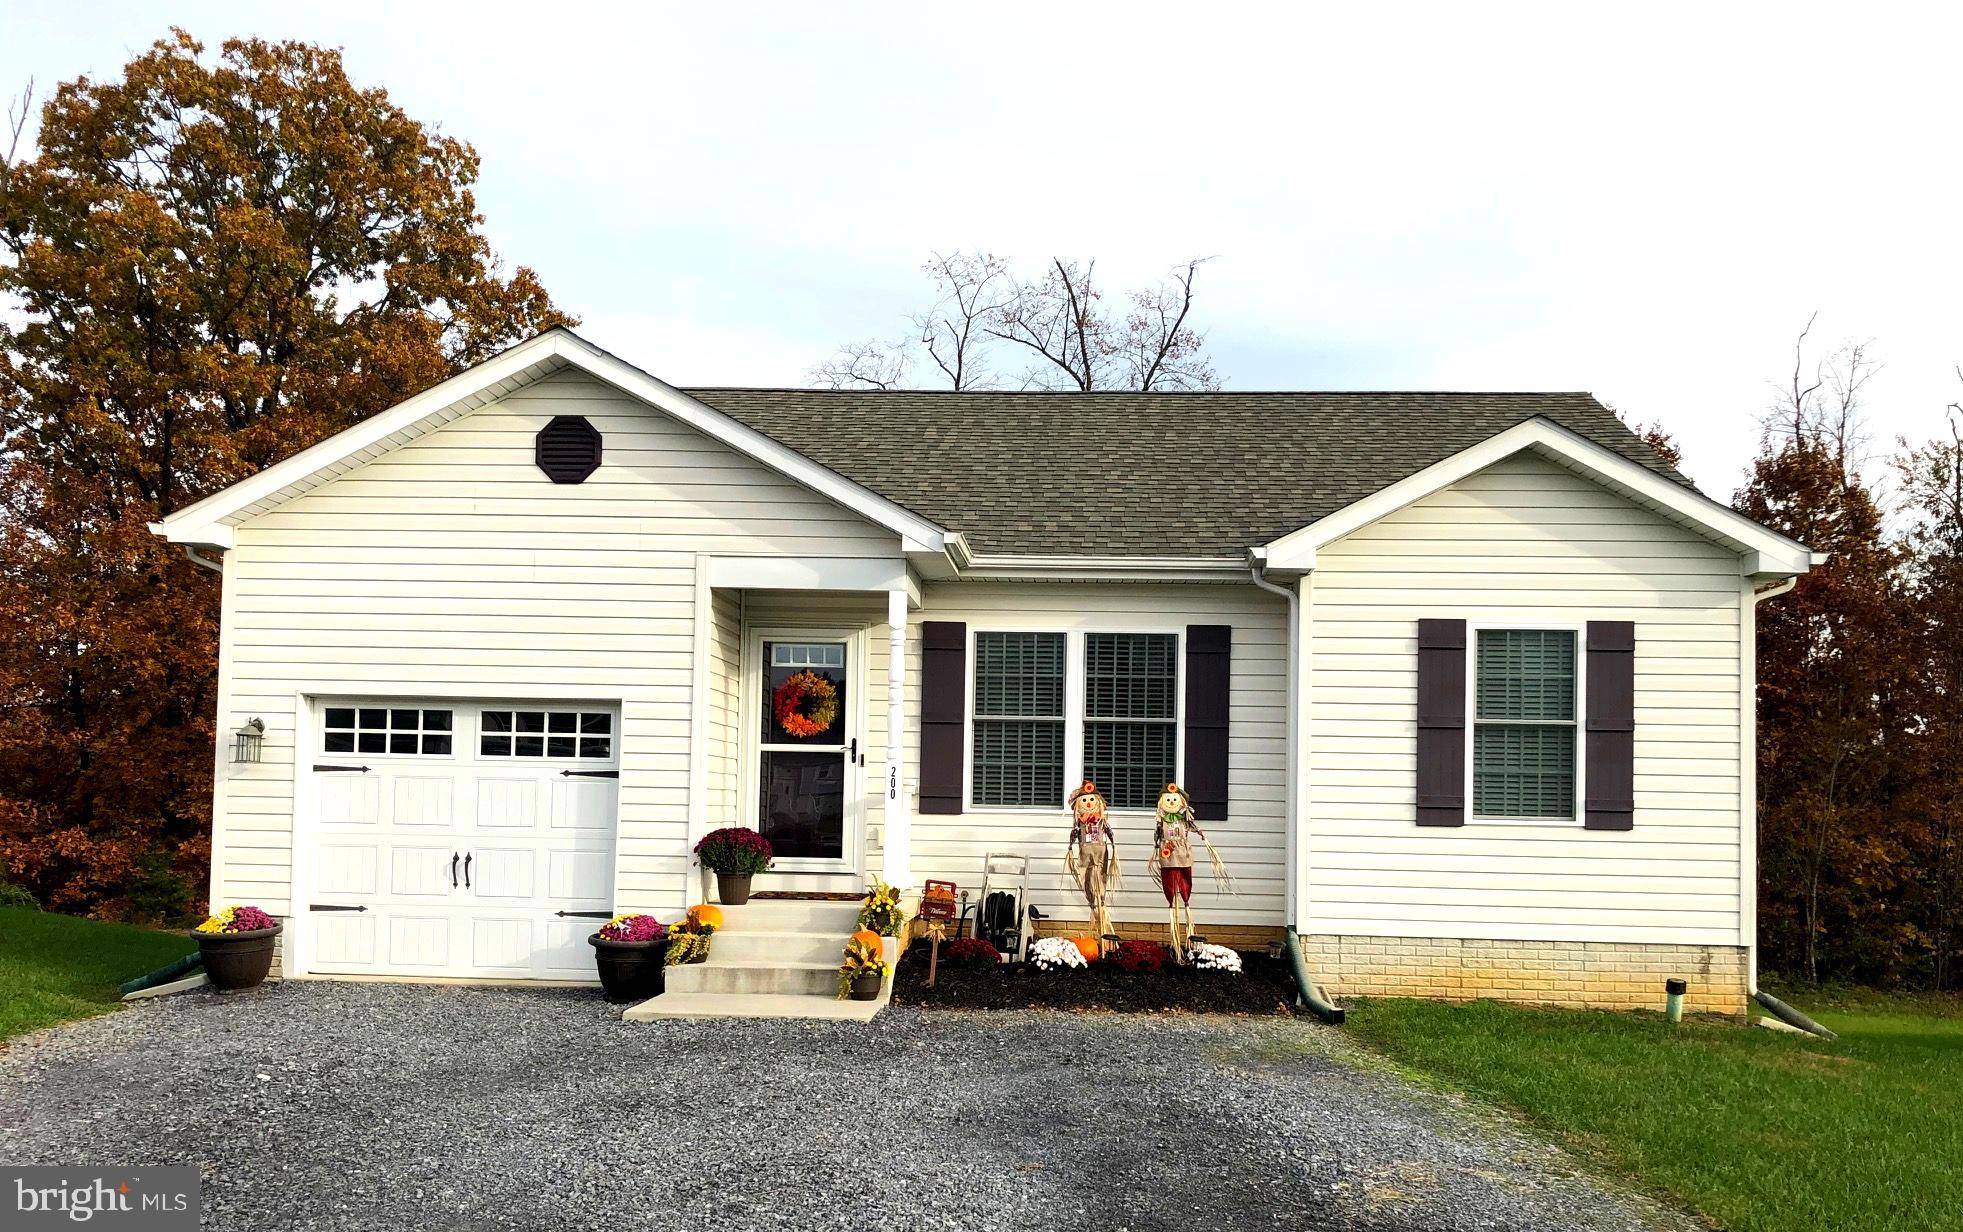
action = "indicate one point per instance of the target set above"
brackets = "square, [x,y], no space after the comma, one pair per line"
[867,938]
[1088,947]
[705,915]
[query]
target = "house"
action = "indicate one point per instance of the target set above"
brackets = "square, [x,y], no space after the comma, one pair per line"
[1461,684]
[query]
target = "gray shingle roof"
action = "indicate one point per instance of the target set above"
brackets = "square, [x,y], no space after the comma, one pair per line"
[1126,474]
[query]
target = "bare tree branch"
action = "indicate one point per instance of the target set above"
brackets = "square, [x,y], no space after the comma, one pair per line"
[974,289]
[871,364]
[1058,321]
[1160,351]
[1824,411]
[17,113]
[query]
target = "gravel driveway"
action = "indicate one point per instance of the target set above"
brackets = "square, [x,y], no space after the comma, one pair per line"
[319,1105]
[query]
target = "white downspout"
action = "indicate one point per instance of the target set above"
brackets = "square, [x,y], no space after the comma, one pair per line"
[1291,791]
[191,553]
[1748,768]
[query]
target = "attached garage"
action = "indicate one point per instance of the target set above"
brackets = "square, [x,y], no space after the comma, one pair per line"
[458,839]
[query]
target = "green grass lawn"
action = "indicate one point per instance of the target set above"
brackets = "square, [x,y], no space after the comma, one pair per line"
[1761,1131]
[55,968]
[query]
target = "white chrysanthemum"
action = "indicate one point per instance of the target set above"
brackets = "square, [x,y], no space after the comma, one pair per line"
[1050,953]
[1209,957]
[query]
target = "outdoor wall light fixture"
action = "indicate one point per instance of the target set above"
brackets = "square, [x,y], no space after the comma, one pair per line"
[246,741]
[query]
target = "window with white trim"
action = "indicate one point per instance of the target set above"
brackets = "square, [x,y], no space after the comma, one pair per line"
[1524,733]
[1018,720]
[1131,715]
[1026,722]
[581,734]
[385,729]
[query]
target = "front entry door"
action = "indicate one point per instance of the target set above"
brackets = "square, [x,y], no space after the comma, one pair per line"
[807,802]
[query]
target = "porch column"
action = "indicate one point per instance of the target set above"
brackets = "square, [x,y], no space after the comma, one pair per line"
[898,844]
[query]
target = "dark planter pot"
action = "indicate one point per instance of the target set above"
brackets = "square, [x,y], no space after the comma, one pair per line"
[235,961]
[865,987]
[733,888]
[630,970]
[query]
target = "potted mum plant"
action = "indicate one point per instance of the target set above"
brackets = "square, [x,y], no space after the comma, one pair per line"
[237,947]
[862,969]
[880,912]
[630,951]
[736,854]
[688,937]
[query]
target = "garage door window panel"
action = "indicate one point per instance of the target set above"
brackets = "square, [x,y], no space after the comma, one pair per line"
[554,734]
[404,731]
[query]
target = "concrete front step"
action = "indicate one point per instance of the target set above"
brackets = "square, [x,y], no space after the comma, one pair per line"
[733,946]
[811,979]
[792,916]
[754,1005]
[772,958]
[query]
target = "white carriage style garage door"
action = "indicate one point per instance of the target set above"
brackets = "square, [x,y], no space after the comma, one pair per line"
[460,839]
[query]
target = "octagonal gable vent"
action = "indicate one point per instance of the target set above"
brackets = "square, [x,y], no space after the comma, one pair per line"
[568,449]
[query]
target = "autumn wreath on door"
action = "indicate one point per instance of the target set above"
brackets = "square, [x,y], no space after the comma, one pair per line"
[806,705]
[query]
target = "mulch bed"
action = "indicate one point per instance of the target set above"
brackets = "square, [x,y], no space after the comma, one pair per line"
[1264,986]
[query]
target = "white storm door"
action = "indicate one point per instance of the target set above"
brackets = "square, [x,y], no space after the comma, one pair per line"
[806,791]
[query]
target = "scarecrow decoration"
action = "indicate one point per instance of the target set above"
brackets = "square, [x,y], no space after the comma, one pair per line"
[1092,857]
[1172,864]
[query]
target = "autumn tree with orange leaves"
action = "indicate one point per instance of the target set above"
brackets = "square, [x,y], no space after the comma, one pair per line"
[205,266]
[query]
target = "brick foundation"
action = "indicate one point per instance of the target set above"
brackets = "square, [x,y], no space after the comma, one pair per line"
[1593,974]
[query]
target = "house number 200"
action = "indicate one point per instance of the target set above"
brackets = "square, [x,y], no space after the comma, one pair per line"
[892,783]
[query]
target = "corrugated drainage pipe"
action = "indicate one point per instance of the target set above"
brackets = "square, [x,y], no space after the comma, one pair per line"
[1790,1016]
[1306,993]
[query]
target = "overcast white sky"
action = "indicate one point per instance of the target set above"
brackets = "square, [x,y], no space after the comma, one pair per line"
[1643,202]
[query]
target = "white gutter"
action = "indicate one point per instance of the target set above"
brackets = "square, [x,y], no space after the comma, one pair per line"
[1291,791]
[1779,588]
[196,558]
[1107,568]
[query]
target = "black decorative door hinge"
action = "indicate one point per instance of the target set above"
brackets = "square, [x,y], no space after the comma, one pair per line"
[320,769]
[332,907]
[589,774]
[587,915]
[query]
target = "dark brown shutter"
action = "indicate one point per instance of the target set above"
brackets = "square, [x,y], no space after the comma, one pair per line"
[1610,751]
[943,718]
[1209,666]
[1441,722]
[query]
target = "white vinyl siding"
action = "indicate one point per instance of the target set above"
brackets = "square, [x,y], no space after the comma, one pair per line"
[451,567]
[725,705]
[1525,544]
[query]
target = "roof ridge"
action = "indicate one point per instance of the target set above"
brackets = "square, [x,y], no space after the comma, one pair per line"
[1154,393]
